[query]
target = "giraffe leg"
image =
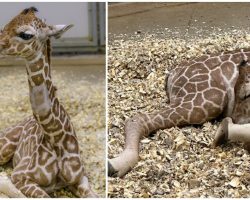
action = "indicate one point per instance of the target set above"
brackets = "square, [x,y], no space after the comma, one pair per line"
[143,124]
[233,132]
[221,135]
[8,188]
[8,143]
[9,140]
[83,189]
[239,132]
[29,188]
[137,127]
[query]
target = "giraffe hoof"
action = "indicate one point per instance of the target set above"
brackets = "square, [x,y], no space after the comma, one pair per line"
[221,135]
[111,171]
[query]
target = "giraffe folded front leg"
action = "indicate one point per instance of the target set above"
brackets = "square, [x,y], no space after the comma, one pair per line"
[233,132]
[29,188]
[83,189]
[8,188]
[8,143]
[239,132]
[7,150]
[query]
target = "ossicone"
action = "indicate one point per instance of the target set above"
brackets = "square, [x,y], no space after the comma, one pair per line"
[29,10]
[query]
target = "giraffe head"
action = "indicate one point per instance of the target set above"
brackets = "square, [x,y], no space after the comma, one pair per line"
[242,86]
[26,35]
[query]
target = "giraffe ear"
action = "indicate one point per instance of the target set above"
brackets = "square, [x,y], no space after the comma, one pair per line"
[58,30]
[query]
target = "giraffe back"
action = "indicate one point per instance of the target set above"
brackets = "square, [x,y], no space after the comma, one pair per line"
[209,78]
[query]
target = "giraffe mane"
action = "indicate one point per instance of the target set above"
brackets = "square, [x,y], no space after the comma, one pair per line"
[48,50]
[49,59]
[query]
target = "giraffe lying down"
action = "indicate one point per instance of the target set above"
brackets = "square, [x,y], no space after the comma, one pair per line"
[199,90]
[237,126]
[44,148]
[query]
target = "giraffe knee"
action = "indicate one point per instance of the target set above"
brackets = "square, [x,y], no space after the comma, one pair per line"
[72,170]
[6,151]
[135,123]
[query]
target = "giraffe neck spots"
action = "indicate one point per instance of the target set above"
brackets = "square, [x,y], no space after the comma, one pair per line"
[40,101]
[39,79]
[45,105]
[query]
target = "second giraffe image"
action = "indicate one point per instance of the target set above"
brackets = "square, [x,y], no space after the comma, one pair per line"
[55,146]
[178,91]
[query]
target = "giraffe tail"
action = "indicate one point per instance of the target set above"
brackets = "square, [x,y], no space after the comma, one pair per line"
[140,126]
[8,189]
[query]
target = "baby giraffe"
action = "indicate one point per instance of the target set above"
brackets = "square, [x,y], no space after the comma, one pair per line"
[237,127]
[44,147]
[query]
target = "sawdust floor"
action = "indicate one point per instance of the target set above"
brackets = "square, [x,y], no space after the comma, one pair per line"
[83,96]
[176,162]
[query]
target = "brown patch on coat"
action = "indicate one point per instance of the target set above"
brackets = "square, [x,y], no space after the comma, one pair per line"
[216,79]
[228,69]
[70,143]
[212,63]
[187,106]
[189,97]
[190,87]
[69,165]
[38,79]
[55,107]
[202,86]
[199,78]
[198,100]
[237,58]
[36,66]
[180,81]
[20,47]
[224,57]
[181,112]
[202,58]
[214,95]
[52,126]
[67,125]
[197,68]
[197,116]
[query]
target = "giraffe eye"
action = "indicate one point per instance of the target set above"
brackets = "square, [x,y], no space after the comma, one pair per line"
[25,36]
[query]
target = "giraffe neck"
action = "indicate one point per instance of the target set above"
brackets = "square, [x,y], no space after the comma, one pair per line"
[40,84]
[45,105]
